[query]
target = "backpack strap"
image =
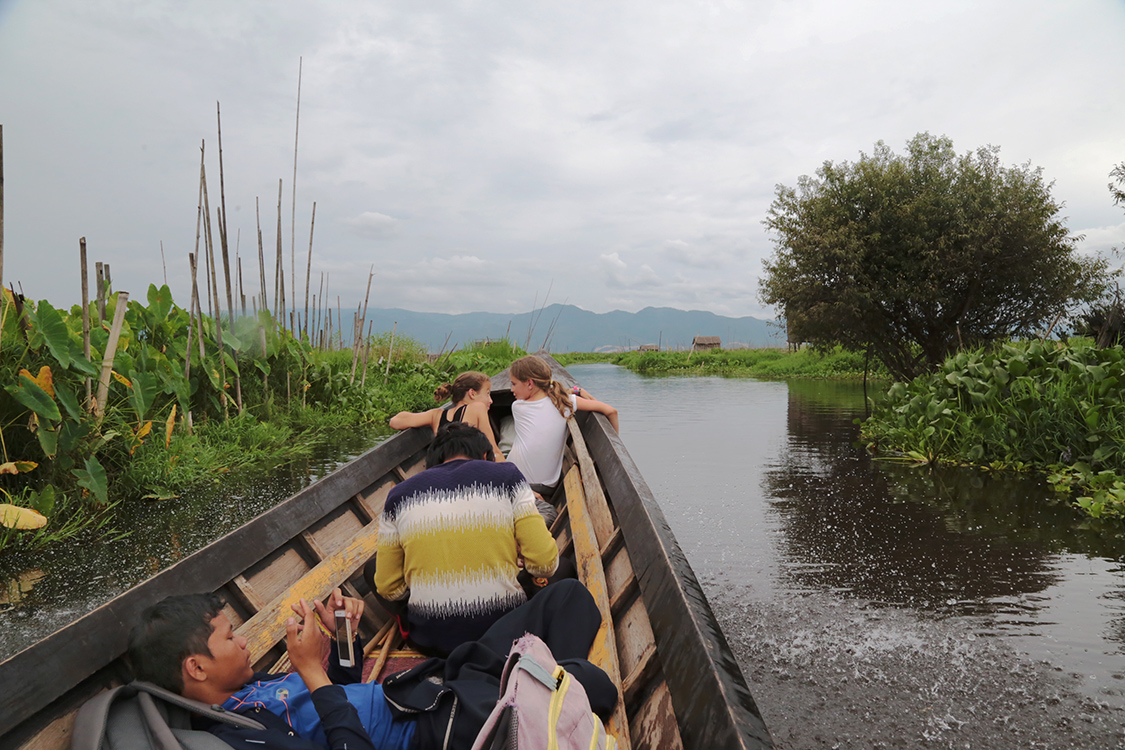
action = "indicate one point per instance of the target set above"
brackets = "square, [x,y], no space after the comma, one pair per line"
[158,730]
[538,671]
[212,712]
[90,724]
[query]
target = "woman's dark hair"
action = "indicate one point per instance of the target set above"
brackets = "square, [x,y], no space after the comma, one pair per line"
[169,632]
[462,384]
[458,439]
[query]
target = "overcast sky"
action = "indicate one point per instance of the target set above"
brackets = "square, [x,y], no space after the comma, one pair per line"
[619,154]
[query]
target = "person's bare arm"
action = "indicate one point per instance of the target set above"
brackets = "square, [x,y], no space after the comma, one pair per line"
[590,404]
[404,420]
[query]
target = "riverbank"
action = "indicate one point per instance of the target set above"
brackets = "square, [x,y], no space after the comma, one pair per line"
[154,401]
[836,364]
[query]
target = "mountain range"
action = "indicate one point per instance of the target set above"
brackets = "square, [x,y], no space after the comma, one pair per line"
[566,328]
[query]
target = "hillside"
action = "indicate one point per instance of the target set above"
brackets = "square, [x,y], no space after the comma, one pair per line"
[578,330]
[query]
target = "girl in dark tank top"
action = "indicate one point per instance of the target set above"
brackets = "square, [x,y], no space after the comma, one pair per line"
[470,395]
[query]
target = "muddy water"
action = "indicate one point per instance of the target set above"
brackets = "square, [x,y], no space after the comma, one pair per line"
[871,604]
[42,592]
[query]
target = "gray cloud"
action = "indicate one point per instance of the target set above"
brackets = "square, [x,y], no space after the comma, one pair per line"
[476,156]
[373,224]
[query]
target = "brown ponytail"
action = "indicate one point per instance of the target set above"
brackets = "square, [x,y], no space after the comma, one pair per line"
[539,372]
[465,382]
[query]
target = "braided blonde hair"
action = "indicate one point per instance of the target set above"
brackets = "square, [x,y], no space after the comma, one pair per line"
[539,372]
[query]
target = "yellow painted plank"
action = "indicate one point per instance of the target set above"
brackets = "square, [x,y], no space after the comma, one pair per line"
[587,553]
[596,504]
[267,627]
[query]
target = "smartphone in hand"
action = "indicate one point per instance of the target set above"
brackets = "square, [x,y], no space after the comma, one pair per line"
[345,639]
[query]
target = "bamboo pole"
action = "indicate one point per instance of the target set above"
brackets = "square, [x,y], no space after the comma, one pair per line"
[226,256]
[279,276]
[378,640]
[193,261]
[191,319]
[388,645]
[366,353]
[357,331]
[293,210]
[214,282]
[99,278]
[390,353]
[241,291]
[444,344]
[308,272]
[85,311]
[110,353]
[261,253]
[326,313]
[163,263]
[318,306]
[198,310]
[362,320]
[262,339]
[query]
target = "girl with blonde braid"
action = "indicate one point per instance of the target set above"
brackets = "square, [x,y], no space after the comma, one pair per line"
[540,413]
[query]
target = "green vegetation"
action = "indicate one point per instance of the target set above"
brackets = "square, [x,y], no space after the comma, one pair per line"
[760,363]
[176,413]
[1054,407]
[913,257]
[584,358]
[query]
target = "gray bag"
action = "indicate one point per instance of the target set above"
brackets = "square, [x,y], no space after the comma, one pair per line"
[142,716]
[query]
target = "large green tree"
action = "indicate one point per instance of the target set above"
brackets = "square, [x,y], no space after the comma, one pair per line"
[912,256]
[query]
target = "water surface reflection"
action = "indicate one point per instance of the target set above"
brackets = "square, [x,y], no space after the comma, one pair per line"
[769,494]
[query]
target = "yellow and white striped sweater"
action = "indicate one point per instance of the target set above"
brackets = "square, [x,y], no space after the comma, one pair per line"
[449,539]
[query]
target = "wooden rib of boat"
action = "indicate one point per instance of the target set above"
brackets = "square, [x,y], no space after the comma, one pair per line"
[680,684]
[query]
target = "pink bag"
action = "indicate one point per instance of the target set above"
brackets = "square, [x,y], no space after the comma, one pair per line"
[541,706]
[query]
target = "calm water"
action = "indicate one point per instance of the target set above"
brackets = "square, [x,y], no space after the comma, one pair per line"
[772,501]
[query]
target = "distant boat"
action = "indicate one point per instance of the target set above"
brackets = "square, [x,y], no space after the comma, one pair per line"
[680,684]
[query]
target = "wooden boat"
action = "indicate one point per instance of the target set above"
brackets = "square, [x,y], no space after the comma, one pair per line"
[680,684]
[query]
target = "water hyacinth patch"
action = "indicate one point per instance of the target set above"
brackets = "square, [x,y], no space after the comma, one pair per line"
[1047,406]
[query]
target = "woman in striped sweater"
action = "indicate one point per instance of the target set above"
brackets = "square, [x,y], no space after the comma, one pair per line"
[450,538]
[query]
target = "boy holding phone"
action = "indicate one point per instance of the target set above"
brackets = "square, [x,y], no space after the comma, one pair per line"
[186,644]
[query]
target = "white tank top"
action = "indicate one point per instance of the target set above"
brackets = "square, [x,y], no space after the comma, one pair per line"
[540,439]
